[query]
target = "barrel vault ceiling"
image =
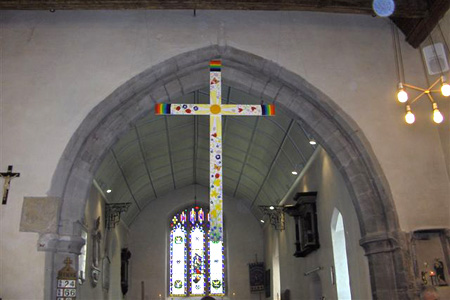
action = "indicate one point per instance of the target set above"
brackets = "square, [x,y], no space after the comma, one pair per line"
[163,153]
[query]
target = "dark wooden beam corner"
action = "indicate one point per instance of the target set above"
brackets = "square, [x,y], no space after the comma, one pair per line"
[417,30]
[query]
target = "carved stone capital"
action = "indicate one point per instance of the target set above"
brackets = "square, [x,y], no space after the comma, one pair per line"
[392,273]
[383,242]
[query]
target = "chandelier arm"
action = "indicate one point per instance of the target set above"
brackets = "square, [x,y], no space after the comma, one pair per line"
[396,52]
[415,99]
[430,98]
[435,53]
[436,82]
[413,87]
[424,67]
[443,37]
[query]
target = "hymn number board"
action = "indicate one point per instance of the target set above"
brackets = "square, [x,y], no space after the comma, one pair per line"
[66,282]
[66,289]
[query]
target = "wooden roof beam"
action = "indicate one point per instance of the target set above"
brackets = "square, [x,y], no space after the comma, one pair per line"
[404,8]
[415,18]
[417,30]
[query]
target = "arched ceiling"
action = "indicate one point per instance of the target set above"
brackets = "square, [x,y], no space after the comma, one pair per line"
[163,153]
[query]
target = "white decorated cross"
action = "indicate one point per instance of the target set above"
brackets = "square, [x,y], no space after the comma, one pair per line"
[215,110]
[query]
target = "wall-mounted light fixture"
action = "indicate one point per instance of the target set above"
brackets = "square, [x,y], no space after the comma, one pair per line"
[275,215]
[113,212]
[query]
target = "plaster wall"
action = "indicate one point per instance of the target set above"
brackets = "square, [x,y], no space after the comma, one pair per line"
[55,67]
[322,176]
[149,245]
[112,242]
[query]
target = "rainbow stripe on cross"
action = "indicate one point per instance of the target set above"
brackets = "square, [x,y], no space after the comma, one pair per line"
[215,66]
[162,109]
[267,110]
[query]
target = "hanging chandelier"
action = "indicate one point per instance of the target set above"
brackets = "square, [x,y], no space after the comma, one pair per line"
[438,60]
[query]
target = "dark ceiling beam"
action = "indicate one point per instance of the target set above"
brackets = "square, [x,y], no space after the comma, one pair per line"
[169,146]
[122,172]
[144,159]
[417,30]
[272,165]
[249,150]
[415,18]
[405,8]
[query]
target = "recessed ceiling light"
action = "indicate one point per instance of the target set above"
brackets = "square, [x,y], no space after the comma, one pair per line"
[108,191]
[294,172]
[312,142]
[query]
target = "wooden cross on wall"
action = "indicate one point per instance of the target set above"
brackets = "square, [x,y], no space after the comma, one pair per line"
[215,110]
[8,176]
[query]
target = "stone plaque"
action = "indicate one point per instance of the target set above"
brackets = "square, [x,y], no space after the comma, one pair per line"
[40,214]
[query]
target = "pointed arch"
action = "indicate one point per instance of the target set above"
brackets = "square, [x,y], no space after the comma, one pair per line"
[332,128]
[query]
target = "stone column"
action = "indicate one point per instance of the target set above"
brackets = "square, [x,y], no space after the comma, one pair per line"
[390,265]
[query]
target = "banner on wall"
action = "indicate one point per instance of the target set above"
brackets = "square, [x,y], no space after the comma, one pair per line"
[256,272]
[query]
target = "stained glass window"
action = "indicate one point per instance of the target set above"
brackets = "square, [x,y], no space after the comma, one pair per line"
[196,265]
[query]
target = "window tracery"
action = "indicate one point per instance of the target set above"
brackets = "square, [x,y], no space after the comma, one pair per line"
[196,264]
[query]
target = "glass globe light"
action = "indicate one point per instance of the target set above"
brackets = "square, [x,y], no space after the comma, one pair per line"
[437,116]
[445,89]
[409,117]
[402,96]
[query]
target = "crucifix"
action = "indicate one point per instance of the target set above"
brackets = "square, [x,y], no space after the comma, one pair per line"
[7,175]
[215,109]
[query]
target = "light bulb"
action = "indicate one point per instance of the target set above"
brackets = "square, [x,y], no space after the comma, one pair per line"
[312,142]
[445,89]
[272,207]
[262,221]
[294,172]
[108,191]
[409,117]
[437,116]
[402,96]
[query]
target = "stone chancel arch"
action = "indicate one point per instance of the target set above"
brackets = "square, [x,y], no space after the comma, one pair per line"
[332,128]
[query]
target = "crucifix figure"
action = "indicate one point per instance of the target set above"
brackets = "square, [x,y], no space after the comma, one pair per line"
[215,110]
[7,175]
